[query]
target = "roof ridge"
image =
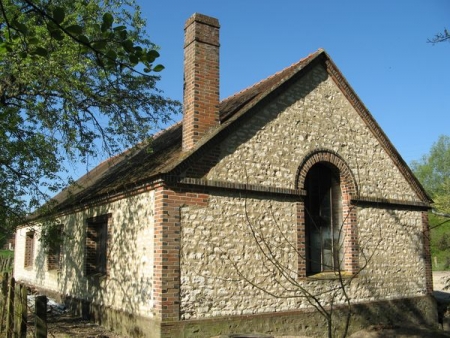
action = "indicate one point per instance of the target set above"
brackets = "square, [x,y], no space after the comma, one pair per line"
[162,131]
[293,65]
[139,146]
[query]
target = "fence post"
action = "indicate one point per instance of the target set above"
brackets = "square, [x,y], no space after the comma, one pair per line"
[24,310]
[41,316]
[10,309]
[3,298]
[6,264]
[20,311]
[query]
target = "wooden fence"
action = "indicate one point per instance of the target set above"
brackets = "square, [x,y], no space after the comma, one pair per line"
[14,310]
[6,264]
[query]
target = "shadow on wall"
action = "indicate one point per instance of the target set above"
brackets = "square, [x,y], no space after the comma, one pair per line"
[245,248]
[127,287]
[398,265]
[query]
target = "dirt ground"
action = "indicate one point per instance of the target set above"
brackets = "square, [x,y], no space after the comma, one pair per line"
[67,326]
[63,325]
[75,327]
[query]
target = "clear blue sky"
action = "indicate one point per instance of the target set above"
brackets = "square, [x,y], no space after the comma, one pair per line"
[380,47]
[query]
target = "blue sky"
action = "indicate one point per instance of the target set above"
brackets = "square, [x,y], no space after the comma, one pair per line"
[380,47]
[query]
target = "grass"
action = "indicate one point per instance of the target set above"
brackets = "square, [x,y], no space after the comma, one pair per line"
[6,253]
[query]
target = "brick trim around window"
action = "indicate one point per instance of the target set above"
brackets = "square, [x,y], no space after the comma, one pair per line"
[349,191]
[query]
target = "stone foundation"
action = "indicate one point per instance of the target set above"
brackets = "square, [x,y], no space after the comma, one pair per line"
[419,311]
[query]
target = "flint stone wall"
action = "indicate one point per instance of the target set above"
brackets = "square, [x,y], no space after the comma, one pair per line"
[227,266]
[421,311]
[226,247]
[312,114]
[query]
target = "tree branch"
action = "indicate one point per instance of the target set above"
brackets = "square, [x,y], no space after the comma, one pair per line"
[440,37]
[81,42]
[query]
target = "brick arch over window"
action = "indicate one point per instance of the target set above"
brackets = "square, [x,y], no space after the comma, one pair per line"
[349,191]
[327,156]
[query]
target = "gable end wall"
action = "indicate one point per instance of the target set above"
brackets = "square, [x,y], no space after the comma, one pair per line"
[311,116]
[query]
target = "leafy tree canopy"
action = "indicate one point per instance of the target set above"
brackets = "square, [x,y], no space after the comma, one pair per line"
[433,170]
[76,78]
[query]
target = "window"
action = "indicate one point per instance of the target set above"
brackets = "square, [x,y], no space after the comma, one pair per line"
[323,219]
[327,233]
[96,245]
[29,249]
[54,248]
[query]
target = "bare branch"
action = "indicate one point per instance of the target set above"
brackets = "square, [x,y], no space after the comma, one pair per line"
[440,37]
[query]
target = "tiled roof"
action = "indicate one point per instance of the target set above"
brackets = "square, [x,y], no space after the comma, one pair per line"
[125,170]
[135,166]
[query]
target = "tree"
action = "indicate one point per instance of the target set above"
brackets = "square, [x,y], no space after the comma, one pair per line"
[77,78]
[442,200]
[433,171]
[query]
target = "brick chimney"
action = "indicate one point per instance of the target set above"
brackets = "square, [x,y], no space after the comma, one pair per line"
[201,78]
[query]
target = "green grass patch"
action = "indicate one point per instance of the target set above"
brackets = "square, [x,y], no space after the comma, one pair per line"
[6,253]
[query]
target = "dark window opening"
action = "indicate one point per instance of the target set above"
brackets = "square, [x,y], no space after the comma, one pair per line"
[96,245]
[323,219]
[55,249]
[29,249]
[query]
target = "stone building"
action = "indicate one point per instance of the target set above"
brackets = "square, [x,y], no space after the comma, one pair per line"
[244,215]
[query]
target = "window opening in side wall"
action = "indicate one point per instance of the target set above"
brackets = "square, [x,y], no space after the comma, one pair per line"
[96,245]
[55,248]
[323,219]
[29,249]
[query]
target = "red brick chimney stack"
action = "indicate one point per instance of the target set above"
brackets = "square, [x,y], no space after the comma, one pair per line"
[201,78]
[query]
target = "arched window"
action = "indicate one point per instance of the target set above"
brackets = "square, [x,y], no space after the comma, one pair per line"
[327,235]
[323,219]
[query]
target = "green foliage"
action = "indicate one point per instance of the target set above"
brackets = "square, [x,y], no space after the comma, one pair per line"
[52,236]
[442,199]
[433,171]
[6,253]
[77,78]
[443,241]
[440,242]
[112,45]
